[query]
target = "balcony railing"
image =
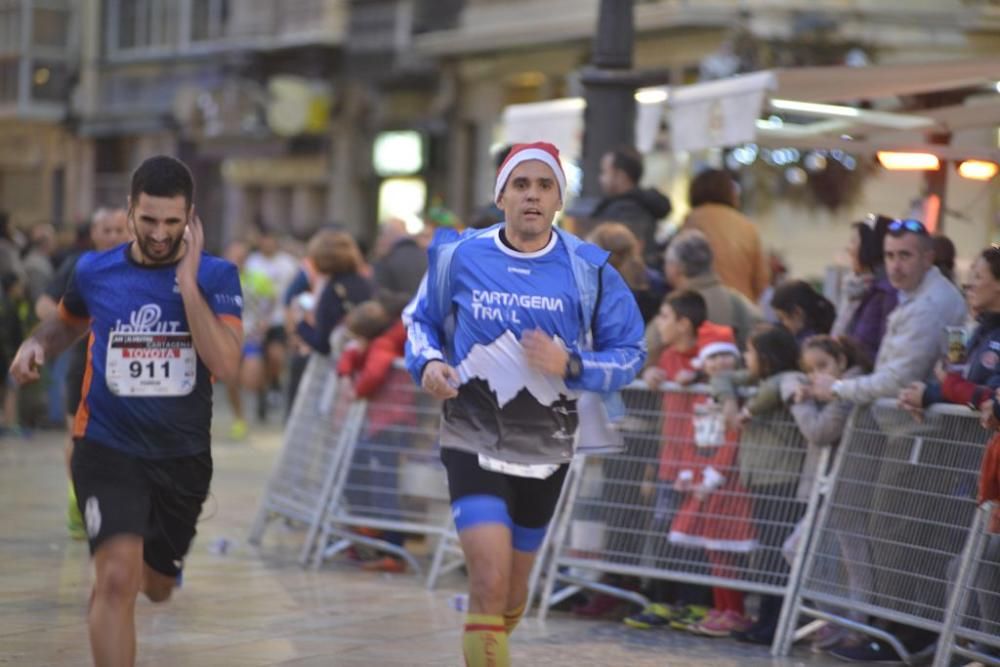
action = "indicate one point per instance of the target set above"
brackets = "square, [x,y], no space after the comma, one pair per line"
[149,29]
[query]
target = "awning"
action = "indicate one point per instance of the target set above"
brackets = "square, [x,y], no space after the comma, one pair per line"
[728,112]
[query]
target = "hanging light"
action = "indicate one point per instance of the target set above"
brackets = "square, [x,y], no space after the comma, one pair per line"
[896,161]
[978,170]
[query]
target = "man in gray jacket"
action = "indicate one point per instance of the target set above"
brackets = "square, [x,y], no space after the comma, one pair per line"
[915,331]
[903,528]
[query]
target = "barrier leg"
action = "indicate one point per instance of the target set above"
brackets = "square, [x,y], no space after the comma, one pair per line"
[958,600]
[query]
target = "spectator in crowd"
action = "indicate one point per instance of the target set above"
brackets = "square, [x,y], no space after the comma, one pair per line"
[690,265]
[620,473]
[639,209]
[435,218]
[740,259]
[770,458]
[914,341]
[12,302]
[400,263]
[10,252]
[280,267]
[37,260]
[867,295]
[779,273]
[108,229]
[646,285]
[715,512]
[681,316]
[914,336]
[378,339]
[944,256]
[980,376]
[802,310]
[335,256]
[822,424]
[75,242]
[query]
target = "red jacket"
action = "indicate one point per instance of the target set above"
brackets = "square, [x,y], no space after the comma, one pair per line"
[678,409]
[389,391]
[989,480]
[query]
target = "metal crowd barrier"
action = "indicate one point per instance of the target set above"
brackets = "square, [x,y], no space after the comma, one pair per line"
[390,483]
[630,514]
[314,439]
[880,540]
[972,629]
[895,519]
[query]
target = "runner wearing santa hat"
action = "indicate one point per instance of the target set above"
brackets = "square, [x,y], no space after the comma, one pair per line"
[510,324]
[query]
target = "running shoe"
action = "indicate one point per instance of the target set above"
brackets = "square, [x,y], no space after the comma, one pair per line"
[653,616]
[687,616]
[74,520]
[721,624]
[385,564]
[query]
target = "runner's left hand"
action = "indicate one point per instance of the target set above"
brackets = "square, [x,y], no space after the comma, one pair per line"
[194,242]
[544,354]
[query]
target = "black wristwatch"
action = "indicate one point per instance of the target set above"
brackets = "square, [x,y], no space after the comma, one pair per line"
[574,366]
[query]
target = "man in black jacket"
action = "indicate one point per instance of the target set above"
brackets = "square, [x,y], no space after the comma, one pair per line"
[624,201]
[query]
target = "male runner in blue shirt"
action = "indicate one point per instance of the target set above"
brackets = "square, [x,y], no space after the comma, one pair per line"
[163,318]
[510,325]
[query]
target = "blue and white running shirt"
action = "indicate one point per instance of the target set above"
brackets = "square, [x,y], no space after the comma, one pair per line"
[145,392]
[499,293]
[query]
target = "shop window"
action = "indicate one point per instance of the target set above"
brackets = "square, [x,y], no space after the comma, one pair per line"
[144,24]
[208,19]
[9,71]
[50,26]
[10,26]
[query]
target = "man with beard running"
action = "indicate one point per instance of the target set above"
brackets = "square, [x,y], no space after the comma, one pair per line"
[163,318]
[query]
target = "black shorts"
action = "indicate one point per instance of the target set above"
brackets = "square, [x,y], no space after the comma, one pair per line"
[159,500]
[480,496]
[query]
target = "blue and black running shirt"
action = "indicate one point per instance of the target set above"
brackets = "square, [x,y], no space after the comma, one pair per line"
[145,392]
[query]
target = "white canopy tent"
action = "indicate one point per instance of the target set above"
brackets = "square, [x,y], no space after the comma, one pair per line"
[728,112]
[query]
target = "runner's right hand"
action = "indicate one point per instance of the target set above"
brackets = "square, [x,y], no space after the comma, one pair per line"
[440,380]
[28,362]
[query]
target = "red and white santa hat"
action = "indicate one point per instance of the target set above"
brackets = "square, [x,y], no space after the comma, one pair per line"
[538,150]
[714,339]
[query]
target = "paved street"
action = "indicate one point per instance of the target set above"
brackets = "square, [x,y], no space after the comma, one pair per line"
[253,607]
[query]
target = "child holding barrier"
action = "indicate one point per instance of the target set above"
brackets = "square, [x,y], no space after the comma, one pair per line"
[716,513]
[770,459]
[822,424]
[377,341]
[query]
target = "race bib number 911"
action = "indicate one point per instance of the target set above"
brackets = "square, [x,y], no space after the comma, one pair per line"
[151,364]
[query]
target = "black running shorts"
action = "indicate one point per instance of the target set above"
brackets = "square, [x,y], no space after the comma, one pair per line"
[159,500]
[530,502]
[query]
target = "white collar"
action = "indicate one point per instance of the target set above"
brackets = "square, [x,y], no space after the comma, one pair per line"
[524,255]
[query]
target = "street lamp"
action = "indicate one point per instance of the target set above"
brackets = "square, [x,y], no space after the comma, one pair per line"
[609,89]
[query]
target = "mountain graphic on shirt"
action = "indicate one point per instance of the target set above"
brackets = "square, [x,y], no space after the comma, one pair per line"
[503,366]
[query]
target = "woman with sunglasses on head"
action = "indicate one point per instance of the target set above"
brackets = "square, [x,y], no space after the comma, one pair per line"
[976,382]
[867,296]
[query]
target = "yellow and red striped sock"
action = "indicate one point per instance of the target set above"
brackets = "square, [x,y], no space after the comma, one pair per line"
[484,642]
[512,617]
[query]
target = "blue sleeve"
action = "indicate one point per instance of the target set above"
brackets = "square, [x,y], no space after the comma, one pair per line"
[328,312]
[222,290]
[619,340]
[424,328]
[932,394]
[299,285]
